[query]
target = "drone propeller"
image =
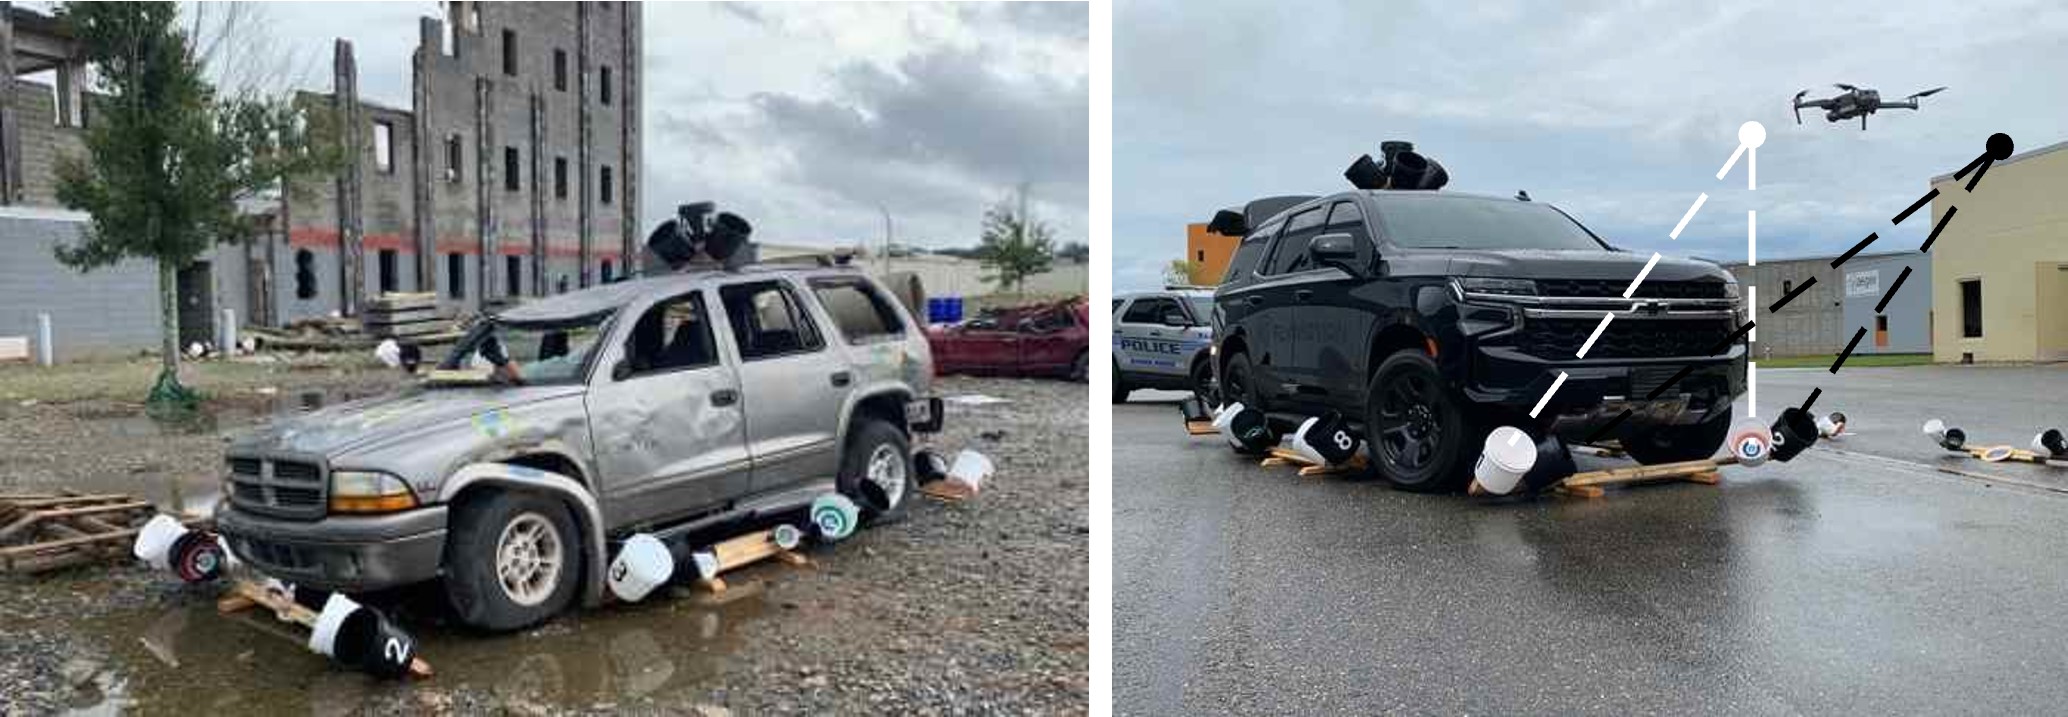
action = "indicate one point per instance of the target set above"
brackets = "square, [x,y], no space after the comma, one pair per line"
[1798,105]
[1844,86]
[1927,93]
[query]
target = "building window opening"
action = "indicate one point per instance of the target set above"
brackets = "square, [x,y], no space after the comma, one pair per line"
[1971,309]
[513,273]
[384,147]
[387,270]
[1787,286]
[560,70]
[606,184]
[603,83]
[607,271]
[509,52]
[304,274]
[454,157]
[510,181]
[560,177]
[455,276]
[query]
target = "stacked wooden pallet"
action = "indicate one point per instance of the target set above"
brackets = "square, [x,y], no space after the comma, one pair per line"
[46,531]
[404,315]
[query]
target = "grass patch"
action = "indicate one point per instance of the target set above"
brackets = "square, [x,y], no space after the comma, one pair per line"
[130,379]
[1824,361]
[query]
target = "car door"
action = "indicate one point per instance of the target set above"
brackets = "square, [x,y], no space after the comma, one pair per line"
[793,390]
[1151,346]
[665,416]
[1049,340]
[1335,326]
[1285,296]
[989,344]
[1243,297]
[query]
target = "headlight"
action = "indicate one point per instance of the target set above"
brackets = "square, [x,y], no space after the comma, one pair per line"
[1503,287]
[368,492]
[1730,290]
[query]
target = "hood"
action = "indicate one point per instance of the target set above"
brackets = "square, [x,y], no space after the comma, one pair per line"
[336,429]
[1577,264]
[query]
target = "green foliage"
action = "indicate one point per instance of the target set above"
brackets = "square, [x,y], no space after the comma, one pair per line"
[1179,272]
[1014,247]
[169,158]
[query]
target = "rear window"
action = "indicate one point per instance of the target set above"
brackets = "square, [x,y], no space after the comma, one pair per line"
[860,313]
[1434,221]
[1249,252]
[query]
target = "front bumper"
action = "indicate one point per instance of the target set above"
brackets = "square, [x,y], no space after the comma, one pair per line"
[350,554]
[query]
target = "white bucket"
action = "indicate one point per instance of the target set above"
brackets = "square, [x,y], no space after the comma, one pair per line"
[154,542]
[835,516]
[323,635]
[1827,427]
[2050,443]
[786,536]
[1935,428]
[642,564]
[1508,456]
[970,469]
[1751,443]
[1300,445]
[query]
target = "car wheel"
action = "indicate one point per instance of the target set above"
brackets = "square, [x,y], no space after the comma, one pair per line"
[512,560]
[876,470]
[1080,369]
[1240,383]
[1416,429]
[1203,382]
[1120,389]
[1652,445]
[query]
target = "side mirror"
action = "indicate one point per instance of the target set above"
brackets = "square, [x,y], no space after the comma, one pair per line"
[1176,319]
[1337,250]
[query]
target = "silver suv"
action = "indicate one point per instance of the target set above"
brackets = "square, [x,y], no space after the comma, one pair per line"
[667,403]
[1161,339]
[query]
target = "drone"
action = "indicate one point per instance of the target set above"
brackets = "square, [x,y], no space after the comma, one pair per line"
[1856,102]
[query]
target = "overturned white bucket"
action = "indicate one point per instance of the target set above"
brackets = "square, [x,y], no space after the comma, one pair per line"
[970,469]
[154,543]
[1508,456]
[1751,443]
[786,536]
[642,564]
[323,635]
[836,517]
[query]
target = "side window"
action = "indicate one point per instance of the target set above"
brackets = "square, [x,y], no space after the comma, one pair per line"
[767,321]
[1148,311]
[1045,322]
[861,314]
[1289,253]
[1249,254]
[1346,218]
[1117,303]
[674,334]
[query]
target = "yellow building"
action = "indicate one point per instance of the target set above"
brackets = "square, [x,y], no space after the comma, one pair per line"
[1209,253]
[2000,268]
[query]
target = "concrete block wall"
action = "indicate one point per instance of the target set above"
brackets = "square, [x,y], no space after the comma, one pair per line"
[42,141]
[107,311]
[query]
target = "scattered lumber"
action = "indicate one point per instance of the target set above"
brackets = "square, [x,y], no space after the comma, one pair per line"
[40,532]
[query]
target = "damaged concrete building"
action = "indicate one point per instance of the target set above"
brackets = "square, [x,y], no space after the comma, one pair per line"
[514,172]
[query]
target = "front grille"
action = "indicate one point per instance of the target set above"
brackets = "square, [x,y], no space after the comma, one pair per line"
[276,556]
[1614,288]
[1561,338]
[284,487]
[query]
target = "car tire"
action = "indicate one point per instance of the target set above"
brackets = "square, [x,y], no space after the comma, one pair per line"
[876,470]
[1203,382]
[1080,368]
[1240,382]
[512,560]
[1120,389]
[1652,445]
[1417,432]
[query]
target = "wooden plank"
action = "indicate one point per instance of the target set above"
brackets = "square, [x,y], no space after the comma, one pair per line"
[48,501]
[744,550]
[288,610]
[1200,428]
[1638,474]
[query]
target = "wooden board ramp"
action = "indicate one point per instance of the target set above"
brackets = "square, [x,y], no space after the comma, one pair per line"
[1280,456]
[2000,454]
[744,550]
[1594,484]
[40,532]
[1200,428]
[245,595]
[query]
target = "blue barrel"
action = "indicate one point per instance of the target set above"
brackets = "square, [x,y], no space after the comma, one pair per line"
[954,310]
[936,307]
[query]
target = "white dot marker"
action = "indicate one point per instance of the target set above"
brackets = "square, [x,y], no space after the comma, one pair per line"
[1752,134]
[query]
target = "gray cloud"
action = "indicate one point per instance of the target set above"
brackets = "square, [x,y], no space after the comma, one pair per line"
[1620,113]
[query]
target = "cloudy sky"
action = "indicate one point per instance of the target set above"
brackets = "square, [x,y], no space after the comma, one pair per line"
[1620,112]
[813,119]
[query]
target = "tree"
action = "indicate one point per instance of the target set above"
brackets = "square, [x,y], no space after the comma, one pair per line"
[169,158]
[1015,246]
[1179,272]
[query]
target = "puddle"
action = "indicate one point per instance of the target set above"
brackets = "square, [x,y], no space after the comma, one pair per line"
[190,659]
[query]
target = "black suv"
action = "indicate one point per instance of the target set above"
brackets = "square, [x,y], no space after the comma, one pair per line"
[1430,318]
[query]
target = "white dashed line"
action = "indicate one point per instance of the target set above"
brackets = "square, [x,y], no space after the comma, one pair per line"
[1689,215]
[1632,288]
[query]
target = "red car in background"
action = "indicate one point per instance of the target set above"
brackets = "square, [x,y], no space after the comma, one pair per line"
[1039,340]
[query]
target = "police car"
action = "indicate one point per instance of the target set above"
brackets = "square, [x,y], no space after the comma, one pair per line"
[1160,340]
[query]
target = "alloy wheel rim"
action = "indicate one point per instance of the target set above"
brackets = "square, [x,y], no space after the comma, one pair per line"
[528,558]
[887,470]
[1411,427]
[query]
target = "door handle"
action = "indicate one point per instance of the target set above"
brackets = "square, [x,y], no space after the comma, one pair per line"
[725,397]
[1303,294]
[1255,300]
[842,378]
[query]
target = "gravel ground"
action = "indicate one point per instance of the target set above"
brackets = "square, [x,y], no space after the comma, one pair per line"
[966,608]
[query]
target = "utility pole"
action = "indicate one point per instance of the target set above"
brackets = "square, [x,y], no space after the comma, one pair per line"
[887,237]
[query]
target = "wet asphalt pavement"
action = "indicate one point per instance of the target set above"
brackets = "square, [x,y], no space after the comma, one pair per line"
[1858,578]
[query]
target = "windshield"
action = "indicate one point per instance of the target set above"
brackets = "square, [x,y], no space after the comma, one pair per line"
[533,353]
[1434,221]
[1202,308]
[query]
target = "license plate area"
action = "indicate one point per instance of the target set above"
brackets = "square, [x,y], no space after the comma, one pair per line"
[924,415]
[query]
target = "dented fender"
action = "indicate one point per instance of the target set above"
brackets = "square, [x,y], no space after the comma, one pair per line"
[587,511]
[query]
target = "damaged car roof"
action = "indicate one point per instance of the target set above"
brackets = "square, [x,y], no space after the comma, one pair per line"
[609,297]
